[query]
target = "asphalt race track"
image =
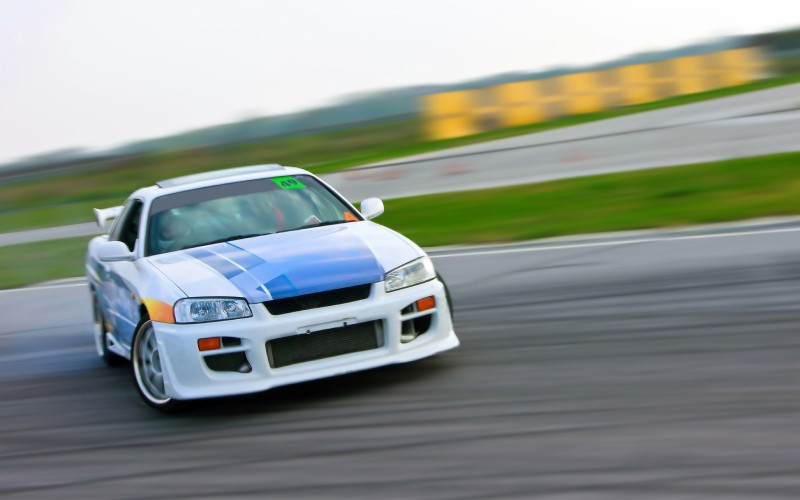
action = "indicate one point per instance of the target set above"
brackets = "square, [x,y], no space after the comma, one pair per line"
[661,366]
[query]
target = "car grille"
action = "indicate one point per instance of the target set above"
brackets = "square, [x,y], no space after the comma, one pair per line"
[287,351]
[319,299]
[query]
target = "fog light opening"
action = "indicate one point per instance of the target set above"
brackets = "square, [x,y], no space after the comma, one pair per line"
[235,362]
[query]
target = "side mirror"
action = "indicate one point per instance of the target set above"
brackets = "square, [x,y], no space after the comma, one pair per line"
[114,251]
[371,208]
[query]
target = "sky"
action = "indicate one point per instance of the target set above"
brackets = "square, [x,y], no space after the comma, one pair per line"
[97,74]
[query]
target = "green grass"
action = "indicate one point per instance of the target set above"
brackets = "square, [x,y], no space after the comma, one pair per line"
[29,263]
[709,192]
[69,198]
[691,194]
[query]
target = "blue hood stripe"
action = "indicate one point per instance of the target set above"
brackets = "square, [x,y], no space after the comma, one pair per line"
[292,267]
[248,284]
[214,261]
[239,255]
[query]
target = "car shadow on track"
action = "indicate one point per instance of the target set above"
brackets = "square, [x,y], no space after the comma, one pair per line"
[309,394]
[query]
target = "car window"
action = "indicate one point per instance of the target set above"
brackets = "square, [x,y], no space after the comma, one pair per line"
[126,228]
[235,210]
[116,225]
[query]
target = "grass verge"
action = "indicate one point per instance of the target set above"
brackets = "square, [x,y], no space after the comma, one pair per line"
[69,198]
[721,191]
[29,263]
[691,194]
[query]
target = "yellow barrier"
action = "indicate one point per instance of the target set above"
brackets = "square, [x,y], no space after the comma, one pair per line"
[466,112]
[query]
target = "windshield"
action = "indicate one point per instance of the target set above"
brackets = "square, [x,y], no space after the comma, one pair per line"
[240,210]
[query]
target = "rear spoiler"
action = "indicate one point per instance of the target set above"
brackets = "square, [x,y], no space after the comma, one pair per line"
[102,215]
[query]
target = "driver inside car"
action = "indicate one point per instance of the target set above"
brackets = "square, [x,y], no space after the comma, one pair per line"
[173,231]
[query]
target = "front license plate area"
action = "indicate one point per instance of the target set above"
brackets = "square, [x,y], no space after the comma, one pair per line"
[326,343]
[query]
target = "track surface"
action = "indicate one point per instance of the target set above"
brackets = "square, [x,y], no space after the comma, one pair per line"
[751,124]
[647,368]
[756,123]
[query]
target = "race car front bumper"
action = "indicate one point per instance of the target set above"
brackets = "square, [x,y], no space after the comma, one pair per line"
[385,328]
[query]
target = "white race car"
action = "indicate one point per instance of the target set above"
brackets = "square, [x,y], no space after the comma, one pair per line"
[240,280]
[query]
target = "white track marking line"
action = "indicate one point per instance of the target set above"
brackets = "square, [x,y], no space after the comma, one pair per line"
[43,354]
[467,253]
[45,287]
[464,252]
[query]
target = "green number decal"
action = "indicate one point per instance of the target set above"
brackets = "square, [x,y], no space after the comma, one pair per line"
[288,183]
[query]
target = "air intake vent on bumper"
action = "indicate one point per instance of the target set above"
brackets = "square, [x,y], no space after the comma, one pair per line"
[320,299]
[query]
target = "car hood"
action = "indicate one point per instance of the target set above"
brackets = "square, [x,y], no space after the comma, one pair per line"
[289,264]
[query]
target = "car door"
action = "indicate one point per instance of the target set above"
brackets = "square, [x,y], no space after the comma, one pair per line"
[120,278]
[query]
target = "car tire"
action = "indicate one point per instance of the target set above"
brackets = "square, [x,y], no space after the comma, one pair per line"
[148,375]
[101,338]
[447,296]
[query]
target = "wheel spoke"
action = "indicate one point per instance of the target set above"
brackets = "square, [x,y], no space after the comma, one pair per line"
[150,376]
[156,383]
[142,358]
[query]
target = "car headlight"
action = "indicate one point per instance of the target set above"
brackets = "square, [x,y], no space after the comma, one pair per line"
[203,310]
[413,273]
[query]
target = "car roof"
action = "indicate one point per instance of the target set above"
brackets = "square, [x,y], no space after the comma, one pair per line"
[214,178]
[217,174]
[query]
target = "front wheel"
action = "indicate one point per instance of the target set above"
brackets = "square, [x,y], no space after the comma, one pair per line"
[447,296]
[148,372]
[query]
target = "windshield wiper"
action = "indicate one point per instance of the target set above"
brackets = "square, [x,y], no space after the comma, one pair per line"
[309,226]
[228,238]
[327,223]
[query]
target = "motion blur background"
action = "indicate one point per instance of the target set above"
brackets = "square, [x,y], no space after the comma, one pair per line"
[98,99]
[647,352]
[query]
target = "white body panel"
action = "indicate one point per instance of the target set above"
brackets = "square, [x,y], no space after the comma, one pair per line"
[387,248]
[261,269]
[188,376]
